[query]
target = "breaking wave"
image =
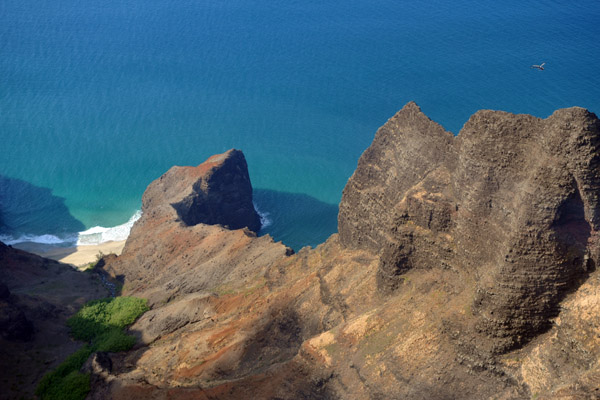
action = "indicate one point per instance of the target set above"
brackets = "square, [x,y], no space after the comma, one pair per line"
[264,217]
[92,236]
[99,234]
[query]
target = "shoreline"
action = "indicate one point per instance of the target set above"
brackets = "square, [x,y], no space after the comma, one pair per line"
[76,256]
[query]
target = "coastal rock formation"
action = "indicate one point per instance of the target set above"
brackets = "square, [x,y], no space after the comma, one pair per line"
[217,191]
[408,149]
[464,267]
[197,231]
[512,201]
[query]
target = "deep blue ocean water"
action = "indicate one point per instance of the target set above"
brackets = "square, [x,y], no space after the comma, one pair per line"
[97,99]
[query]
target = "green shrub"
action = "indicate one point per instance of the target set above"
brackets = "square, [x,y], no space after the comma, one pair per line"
[73,386]
[114,340]
[74,362]
[51,384]
[101,323]
[123,311]
[100,316]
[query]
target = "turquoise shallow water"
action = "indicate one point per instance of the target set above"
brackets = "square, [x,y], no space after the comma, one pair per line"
[97,100]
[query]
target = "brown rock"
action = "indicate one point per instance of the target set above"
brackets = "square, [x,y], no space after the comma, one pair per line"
[405,150]
[217,191]
[512,199]
[181,244]
[40,294]
[465,267]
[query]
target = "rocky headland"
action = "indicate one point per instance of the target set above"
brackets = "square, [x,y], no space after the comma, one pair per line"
[464,267]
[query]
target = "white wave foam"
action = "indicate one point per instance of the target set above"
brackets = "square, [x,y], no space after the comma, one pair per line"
[92,236]
[264,217]
[42,239]
[99,234]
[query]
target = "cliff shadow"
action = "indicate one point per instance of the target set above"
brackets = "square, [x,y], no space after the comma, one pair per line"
[296,219]
[33,210]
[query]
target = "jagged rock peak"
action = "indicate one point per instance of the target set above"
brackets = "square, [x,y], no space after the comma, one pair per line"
[513,200]
[468,247]
[406,149]
[218,191]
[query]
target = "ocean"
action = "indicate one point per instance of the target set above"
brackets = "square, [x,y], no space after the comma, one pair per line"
[97,99]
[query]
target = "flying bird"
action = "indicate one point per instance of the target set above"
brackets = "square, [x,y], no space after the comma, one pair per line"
[540,67]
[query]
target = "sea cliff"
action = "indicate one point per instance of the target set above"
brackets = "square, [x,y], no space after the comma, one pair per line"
[464,267]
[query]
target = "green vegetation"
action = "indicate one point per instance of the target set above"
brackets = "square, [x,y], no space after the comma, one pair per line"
[101,323]
[333,348]
[65,382]
[102,316]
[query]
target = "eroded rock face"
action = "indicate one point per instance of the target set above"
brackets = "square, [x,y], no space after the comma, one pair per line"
[453,253]
[512,202]
[217,191]
[406,150]
[197,231]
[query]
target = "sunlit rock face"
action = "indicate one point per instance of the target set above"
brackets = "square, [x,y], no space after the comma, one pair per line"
[512,201]
[464,267]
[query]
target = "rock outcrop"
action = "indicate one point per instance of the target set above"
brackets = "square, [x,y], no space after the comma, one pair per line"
[465,267]
[408,150]
[197,231]
[512,201]
[217,191]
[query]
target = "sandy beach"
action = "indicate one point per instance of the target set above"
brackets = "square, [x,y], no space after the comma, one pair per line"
[76,256]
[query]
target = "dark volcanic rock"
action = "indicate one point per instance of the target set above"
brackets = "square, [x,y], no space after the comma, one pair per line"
[405,150]
[13,323]
[98,364]
[217,191]
[4,292]
[512,200]
[528,219]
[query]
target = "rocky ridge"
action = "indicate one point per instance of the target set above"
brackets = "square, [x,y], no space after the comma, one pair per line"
[197,229]
[464,267]
[512,200]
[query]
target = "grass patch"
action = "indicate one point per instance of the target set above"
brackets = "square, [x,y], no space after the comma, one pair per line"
[225,290]
[65,382]
[101,324]
[101,316]
[89,267]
